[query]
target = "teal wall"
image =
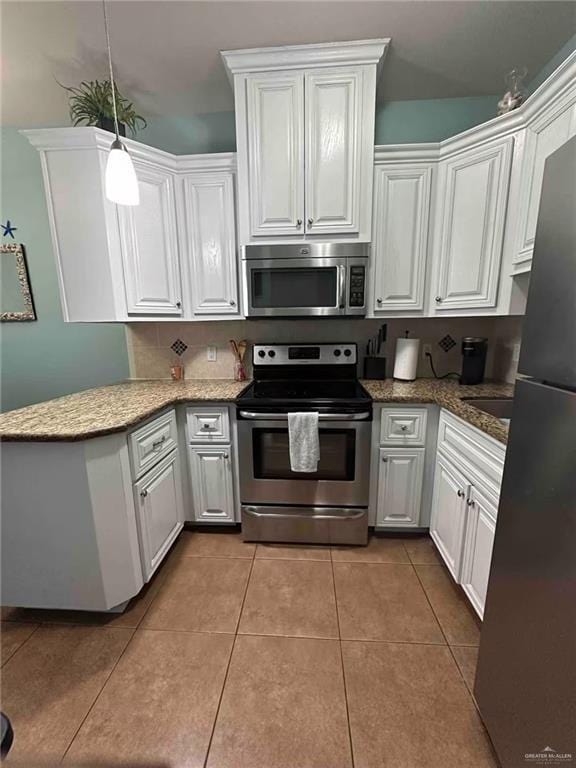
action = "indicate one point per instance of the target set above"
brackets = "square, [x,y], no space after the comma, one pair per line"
[568,48]
[46,358]
[421,120]
[397,122]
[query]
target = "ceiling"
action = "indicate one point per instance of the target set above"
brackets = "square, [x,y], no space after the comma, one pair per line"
[166,52]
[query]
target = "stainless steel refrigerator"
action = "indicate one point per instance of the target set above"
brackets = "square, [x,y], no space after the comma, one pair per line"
[526,677]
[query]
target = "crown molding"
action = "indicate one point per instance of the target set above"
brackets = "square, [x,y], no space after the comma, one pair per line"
[89,137]
[316,55]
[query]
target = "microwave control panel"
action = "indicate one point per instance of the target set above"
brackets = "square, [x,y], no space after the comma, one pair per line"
[357,289]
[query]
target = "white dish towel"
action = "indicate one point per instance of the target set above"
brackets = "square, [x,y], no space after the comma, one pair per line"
[304,441]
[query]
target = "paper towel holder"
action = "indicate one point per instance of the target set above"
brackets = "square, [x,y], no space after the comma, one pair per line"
[406,360]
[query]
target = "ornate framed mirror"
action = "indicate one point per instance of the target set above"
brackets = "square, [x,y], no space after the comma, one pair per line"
[16,302]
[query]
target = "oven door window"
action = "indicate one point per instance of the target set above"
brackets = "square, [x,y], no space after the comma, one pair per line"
[294,287]
[271,455]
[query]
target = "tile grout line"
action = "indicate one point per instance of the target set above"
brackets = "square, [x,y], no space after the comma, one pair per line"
[208,748]
[105,683]
[446,638]
[342,662]
[36,628]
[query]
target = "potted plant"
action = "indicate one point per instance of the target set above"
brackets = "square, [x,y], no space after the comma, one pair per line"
[91,104]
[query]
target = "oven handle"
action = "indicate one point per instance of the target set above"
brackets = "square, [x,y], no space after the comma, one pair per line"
[321,416]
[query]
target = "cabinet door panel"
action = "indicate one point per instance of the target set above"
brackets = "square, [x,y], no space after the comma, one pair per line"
[210,232]
[333,147]
[211,474]
[449,514]
[400,487]
[160,511]
[542,140]
[480,528]
[473,191]
[150,246]
[275,117]
[400,242]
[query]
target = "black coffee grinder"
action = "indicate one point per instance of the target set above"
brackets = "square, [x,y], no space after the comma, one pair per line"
[474,351]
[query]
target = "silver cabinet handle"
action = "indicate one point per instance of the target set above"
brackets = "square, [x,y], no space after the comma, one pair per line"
[144,493]
[298,222]
[438,299]
[403,428]
[460,493]
[470,502]
[310,222]
[232,303]
[207,428]
[225,456]
[384,458]
[379,301]
[158,443]
[179,304]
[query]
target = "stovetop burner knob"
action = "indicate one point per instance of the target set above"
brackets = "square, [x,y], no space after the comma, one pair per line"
[347,352]
[261,353]
[271,353]
[337,353]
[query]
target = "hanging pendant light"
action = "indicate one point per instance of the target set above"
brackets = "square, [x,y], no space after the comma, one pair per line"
[121,183]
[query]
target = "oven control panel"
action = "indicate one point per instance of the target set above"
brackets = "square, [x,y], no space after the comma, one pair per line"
[304,354]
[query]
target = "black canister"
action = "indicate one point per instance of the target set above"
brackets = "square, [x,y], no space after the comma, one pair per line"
[474,351]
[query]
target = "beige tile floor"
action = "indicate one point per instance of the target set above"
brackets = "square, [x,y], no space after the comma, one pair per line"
[244,656]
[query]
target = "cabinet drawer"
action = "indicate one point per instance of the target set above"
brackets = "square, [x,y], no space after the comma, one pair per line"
[478,455]
[152,442]
[208,425]
[403,427]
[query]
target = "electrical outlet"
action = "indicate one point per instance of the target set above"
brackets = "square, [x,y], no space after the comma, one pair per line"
[211,354]
[426,350]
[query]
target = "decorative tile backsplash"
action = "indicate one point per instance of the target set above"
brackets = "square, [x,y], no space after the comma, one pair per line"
[154,347]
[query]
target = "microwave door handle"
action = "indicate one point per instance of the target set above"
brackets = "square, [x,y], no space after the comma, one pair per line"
[342,286]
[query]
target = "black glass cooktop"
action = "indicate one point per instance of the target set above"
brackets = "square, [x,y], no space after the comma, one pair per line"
[310,390]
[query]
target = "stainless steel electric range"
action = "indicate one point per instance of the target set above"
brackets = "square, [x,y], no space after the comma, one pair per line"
[329,506]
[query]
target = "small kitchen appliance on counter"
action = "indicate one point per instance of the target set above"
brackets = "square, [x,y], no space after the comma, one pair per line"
[330,505]
[474,350]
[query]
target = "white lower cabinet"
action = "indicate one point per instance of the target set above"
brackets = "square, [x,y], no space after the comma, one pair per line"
[212,483]
[479,540]
[400,487]
[447,522]
[160,510]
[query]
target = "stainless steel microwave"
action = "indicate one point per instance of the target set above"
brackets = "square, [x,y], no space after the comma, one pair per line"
[315,279]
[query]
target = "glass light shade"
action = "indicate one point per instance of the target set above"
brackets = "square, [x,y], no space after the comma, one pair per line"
[121,181]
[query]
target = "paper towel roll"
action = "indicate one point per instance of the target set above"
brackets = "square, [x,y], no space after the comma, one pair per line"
[406,361]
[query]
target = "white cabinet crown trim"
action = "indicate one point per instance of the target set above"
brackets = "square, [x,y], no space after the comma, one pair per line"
[314,55]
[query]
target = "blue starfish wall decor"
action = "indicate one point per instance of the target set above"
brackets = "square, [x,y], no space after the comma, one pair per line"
[9,229]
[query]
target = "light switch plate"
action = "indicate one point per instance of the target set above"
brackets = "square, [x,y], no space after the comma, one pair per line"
[211,354]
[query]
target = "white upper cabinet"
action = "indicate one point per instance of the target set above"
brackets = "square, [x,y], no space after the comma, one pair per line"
[333,151]
[209,242]
[171,257]
[275,113]
[150,246]
[400,236]
[547,134]
[305,135]
[472,194]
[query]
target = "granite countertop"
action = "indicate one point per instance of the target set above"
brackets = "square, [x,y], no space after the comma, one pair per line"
[447,394]
[106,410]
[118,407]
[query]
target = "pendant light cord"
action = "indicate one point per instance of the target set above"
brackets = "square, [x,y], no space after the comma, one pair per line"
[111,72]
